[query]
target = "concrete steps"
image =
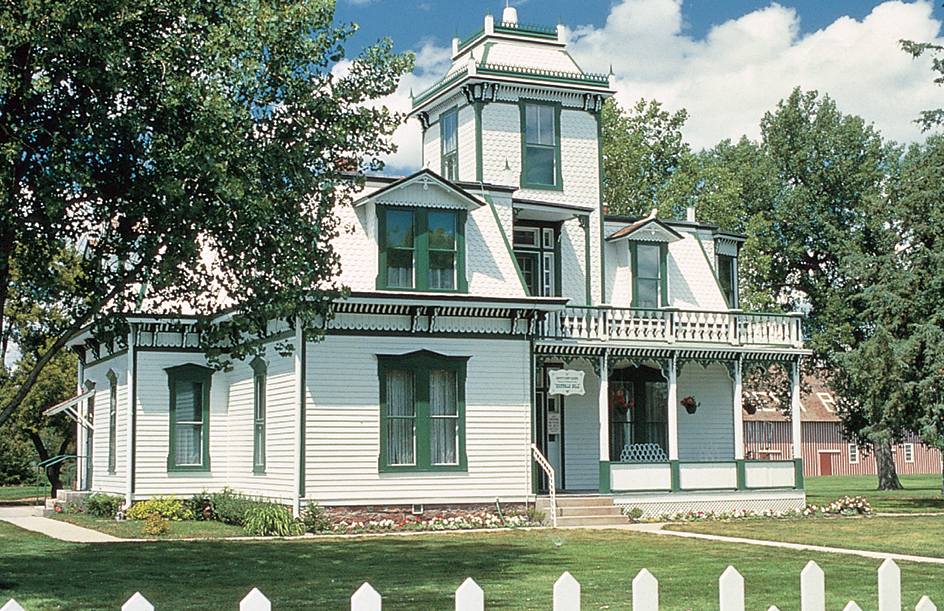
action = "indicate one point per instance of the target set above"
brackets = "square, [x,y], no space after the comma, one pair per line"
[589,510]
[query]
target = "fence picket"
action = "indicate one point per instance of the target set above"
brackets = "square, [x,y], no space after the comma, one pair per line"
[773,608]
[812,588]
[924,604]
[731,590]
[470,597]
[645,592]
[365,599]
[566,593]
[255,601]
[852,606]
[12,605]
[137,603]
[889,586]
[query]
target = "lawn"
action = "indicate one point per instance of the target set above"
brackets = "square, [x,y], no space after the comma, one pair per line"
[9,494]
[133,529]
[516,568]
[922,493]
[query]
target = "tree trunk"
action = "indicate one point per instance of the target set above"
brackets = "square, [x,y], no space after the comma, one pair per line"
[885,463]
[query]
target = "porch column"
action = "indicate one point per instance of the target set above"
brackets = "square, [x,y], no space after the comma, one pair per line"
[131,376]
[673,410]
[81,434]
[604,408]
[795,411]
[738,413]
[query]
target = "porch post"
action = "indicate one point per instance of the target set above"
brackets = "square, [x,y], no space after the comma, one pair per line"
[604,408]
[673,410]
[81,434]
[795,411]
[738,413]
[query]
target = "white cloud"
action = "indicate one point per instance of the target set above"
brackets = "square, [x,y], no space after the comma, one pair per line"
[740,70]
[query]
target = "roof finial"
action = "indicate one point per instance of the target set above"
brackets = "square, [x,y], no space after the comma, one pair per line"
[652,214]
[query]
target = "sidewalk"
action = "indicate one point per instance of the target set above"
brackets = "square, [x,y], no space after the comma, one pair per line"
[23,517]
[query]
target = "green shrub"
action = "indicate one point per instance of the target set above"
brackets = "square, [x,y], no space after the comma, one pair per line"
[315,519]
[230,507]
[171,508]
[155,525]
[103,505]
[272,519]
[634,514]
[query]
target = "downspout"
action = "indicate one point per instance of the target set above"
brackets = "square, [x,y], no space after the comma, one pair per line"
[132,399]
[299,417]
[585,224]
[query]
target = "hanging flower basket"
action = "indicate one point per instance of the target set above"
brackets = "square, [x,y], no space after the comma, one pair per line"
[749,406]
[689,404]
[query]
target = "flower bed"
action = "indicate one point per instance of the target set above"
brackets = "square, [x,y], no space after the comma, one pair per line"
[846,506]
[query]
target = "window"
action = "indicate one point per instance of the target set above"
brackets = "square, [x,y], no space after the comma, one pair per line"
[853,454]
[909,452]
[536,252]
[112,419]
[727,279]
[650,287]
[541,147]
[422,249]
[422,412]
[189,418]
[449,134]
[259,371]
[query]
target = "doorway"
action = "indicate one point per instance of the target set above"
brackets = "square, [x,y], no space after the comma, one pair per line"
[549,432]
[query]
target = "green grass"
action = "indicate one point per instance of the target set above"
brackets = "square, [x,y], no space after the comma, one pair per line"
[132,529]
[10,494]
[922,493]
[516,568]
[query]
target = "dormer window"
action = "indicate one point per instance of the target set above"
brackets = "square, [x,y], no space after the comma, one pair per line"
[727,279]
[650,288]
[541,146]
[449,133]
[421,248]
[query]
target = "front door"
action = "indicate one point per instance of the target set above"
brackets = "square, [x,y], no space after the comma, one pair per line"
[549,434]
[825,463]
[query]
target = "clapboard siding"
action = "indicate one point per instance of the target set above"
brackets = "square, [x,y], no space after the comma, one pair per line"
[343,423]
[102,480]
[708,434]
[582,434]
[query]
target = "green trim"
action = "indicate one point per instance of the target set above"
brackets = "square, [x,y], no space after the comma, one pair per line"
[508,247]
[599,121]
[112,420]
[303,412]
[534,419]
[536,74]
[479,163]
[420,364]
[469,38]
[197,374]
[439,86]
[105,359]
[605,477]
[527,30]
[585,224]
[663,275]
[421,249]
[558,174]
[798,474]
[485,49]
[676,470]
[741,474]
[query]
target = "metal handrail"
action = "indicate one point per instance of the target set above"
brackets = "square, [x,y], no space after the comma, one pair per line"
[551,486]
[43,467]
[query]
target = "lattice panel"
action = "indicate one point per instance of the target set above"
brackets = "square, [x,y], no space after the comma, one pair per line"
[654,509]
[642,452]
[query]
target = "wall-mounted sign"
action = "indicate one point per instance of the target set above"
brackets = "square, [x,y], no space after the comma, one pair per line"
[565,382]
[553,423]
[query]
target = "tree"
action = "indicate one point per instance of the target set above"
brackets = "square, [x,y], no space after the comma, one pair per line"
[928,119]
[642,151]
[188,153]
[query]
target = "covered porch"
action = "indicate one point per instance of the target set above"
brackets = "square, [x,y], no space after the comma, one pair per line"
[659,428]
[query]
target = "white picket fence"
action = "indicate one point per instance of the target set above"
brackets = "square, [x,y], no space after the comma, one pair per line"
[470,597]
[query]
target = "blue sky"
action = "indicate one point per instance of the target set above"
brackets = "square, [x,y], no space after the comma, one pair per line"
[726,62]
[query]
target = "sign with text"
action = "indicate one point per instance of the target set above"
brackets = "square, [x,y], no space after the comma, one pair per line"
[566,382]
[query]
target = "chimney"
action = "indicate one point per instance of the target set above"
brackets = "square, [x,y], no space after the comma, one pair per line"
[510,15]
[690,214]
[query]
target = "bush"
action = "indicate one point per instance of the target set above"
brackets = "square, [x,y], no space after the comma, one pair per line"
[103,505]
[230,507]
[155,525]
[272,519]
[315,519]
[170,508]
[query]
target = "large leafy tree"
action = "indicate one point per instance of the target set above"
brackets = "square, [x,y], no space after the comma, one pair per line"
[189,154]
[643,150]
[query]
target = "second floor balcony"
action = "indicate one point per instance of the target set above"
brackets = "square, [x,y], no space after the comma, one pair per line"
[670,326]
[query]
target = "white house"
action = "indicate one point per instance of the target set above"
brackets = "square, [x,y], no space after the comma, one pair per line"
[496,316]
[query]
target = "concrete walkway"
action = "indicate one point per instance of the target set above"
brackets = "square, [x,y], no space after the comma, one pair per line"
[23,516]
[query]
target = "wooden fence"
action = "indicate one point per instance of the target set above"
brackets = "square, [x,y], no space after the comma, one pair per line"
[470,597]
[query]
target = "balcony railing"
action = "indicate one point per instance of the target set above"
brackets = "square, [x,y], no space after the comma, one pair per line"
[733,328]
